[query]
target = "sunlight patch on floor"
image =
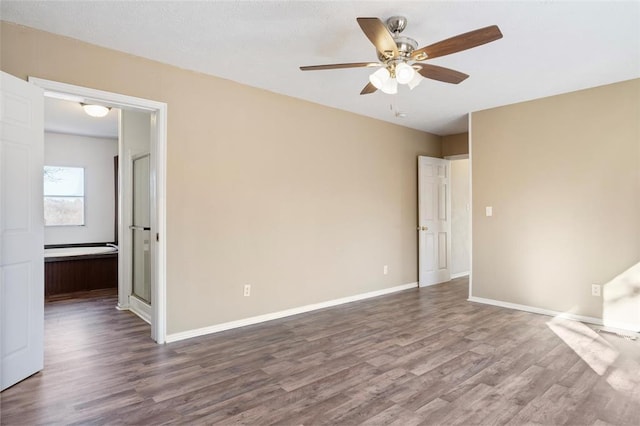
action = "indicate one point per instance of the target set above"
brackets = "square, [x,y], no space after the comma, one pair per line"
[621,300]
[586,343]
[618,364]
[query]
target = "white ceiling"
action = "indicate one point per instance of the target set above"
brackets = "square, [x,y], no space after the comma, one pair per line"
[549,47]
[61,116]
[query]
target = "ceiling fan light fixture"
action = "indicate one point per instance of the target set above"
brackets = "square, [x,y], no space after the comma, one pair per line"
[400,59]
[390,86]
[405,73]
[379,78]
[95,110]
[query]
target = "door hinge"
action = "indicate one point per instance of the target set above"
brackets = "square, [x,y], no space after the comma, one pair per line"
[157,237]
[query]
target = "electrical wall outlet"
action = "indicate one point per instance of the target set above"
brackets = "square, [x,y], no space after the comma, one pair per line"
[385,269]
[247,290]
[595,290]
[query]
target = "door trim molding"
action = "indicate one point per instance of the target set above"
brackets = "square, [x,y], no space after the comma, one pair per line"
[140,308]
[159,148]
[470,133]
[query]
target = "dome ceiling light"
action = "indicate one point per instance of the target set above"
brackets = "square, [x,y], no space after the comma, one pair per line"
[95,110]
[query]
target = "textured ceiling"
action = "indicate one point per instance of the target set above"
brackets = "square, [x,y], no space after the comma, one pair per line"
[549,47]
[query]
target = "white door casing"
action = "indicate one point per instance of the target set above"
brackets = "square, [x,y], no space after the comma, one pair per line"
[434,220]
[21,230]
[158,112]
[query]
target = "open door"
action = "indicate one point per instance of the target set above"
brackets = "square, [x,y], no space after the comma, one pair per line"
[140,299]
[434,220]
[21,230]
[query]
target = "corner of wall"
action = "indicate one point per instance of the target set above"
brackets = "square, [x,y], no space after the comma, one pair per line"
[457,144]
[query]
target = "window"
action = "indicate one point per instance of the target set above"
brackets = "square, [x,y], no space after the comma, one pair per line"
[63,196]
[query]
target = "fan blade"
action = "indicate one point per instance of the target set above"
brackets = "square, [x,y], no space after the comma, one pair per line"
[458,43]
[447,75]
[338,66]
[379,35]
[369,88]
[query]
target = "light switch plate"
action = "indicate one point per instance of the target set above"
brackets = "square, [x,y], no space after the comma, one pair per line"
[489,211]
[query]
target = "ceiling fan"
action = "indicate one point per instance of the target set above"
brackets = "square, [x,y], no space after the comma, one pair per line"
[400,60]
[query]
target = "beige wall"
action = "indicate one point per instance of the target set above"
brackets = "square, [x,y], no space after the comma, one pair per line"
[304,202]
[457,144]
[563,177]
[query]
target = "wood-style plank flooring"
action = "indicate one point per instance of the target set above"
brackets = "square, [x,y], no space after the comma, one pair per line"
[422,356]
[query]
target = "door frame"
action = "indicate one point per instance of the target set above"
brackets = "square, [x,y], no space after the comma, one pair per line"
[159,152]
[453,158]
[470,139]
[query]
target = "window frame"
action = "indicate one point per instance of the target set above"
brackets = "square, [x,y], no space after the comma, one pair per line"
[65,196]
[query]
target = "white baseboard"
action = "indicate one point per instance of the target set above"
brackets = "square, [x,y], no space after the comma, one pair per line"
[459,274]
[174,337]
[140,308]
[591,320]
[610,325]
[122,307]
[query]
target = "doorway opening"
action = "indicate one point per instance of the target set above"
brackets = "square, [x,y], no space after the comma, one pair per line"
[142,245]
[460,216]
[444,219]
[434,221]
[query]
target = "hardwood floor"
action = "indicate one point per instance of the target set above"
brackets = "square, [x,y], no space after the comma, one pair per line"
[417,357]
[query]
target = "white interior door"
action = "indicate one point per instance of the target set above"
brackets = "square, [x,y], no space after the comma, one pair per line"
[21,230]
[434,220]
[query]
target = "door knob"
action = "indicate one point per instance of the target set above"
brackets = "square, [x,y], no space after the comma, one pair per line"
[423,228]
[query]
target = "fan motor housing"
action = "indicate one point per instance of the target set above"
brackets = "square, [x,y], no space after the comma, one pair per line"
[405,45]
[396,24]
